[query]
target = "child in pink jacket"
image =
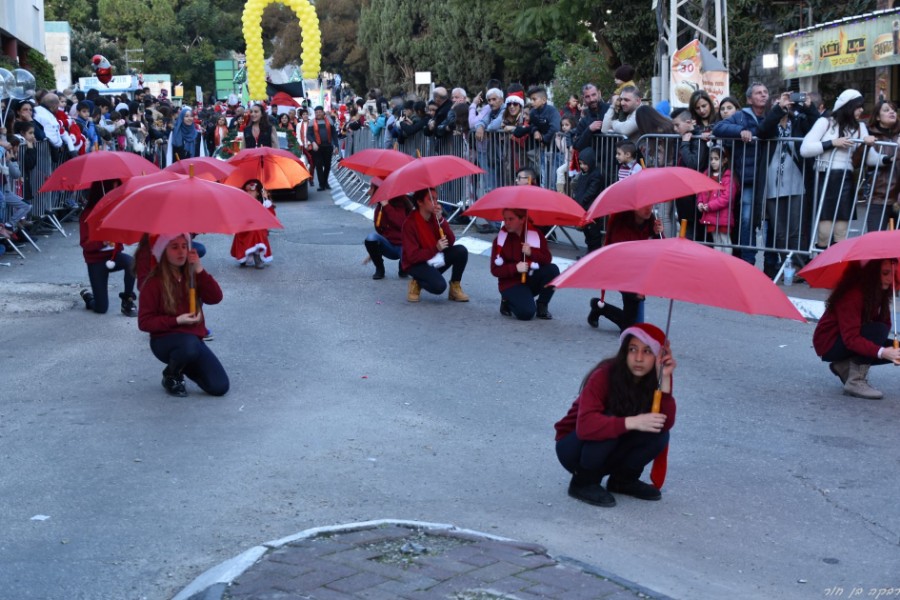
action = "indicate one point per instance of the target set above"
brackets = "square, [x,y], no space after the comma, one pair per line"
[715,207]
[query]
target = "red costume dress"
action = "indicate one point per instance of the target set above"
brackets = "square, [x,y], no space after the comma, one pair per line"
[247,243]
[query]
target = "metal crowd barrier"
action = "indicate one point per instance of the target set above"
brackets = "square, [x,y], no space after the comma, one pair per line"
[778,211]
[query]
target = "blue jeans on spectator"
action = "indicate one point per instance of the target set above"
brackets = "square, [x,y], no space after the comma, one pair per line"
[98,274]
[431,279]
[746,232]
[625,456]
[388,250]
[186,353]
[876,332]
[16,208]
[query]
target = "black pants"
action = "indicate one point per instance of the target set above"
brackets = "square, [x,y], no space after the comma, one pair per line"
[521,296]
[431,280]
[99,276]
[624,457]
[323,163]
[626,316]
[876,332]
[188,354]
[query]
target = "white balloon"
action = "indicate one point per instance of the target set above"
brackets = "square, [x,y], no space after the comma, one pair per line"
[23,86]
[7,82]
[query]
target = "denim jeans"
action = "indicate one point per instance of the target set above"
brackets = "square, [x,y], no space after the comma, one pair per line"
[388,250]
[188,354]
[98,273]
[625,455]
[746,226]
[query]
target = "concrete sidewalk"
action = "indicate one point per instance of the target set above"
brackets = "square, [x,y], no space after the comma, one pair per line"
[404,560]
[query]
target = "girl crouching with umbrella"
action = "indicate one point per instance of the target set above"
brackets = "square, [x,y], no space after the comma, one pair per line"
[853,333]
[252,247]
[520,260]
[387,239]
[176,334]
[610,429]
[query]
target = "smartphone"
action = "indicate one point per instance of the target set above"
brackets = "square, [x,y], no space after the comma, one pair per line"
[798,97]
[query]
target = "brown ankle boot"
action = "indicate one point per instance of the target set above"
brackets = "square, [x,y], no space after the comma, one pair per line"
[857,383]
[413,292]
[456,292]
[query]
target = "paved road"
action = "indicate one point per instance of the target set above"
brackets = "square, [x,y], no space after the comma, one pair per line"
[348,404]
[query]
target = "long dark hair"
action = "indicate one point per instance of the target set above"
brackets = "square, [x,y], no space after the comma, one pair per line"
[692,106]
[876,301]
[844,119]
[875,124]
[628,395]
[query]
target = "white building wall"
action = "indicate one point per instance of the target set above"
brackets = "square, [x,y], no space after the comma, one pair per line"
[24,20]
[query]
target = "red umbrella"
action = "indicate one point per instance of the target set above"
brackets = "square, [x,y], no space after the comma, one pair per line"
[80,172]
[648,187]
[112,200]
[277,169]
[545,207]
[284,99]
[205,167]
[826,270]
[424,173]
[377,162]
[679,269]
[193,204]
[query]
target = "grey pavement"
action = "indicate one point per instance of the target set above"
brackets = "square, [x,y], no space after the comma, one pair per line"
[350,405]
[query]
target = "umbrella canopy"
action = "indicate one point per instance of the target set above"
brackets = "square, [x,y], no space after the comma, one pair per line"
[276,169]
[680,269]
[376,161]
[193,204]
[545,207]
[112,200]
[284,99]
[205,167]
[826,270]
[648,187]
[424,173]
[80,172]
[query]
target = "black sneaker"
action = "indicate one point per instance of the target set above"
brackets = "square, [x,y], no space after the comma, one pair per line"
[594,316]
[634,487]
[379,273]
[504,308]
[173,386]
[543,312]
[88,298]
[592,494]
[129,309]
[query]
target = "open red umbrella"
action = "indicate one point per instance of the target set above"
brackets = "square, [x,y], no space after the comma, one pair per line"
[679,269]
[112,200]
[424,173]
[80,172]
[648,187]
[376,161]
[284,99]
[826,270]
[193,204]
[277,169]
[204,167]
[545,207]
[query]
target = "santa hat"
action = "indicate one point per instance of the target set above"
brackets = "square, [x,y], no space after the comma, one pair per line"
[516,98]
[159,246]
[651,335]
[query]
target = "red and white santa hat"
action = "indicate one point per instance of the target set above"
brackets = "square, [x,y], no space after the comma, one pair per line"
[651,335]
[516,98]
[162,240]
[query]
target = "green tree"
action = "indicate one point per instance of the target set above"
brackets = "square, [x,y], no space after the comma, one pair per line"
[576,65]
[79,13]
[40,67]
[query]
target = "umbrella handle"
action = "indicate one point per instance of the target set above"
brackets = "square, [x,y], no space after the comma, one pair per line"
[192,295]
[525,241]
[657,400]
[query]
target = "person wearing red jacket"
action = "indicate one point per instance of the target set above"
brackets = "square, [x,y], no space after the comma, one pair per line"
[103,258]
[852,334]
[520,251]
[387,239]
[628,226]
[610,429]
[429,249]
[176,334]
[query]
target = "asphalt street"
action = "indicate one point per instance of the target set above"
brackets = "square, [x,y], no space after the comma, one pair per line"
[349,404]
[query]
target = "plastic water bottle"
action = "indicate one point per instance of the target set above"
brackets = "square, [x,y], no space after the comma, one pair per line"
[789,273]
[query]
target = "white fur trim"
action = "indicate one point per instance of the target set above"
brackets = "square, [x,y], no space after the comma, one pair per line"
[162,241]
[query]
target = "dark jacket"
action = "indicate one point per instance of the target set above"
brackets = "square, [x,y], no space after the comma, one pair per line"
[545,120]
[588,185]
[444,121]
[583,136]
[743,157]
[695,153]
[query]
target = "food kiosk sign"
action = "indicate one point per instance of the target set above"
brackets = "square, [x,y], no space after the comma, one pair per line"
[845,47]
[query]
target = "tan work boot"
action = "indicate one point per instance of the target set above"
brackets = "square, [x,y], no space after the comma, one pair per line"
[456,293]
[841,368]
[413,291]
[858,386]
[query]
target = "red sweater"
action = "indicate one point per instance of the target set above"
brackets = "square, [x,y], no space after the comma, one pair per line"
[413,250]
[845,319]
[393,214]
[588,418]
[93,251]
[152,317]
[623,228]
[511,254]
